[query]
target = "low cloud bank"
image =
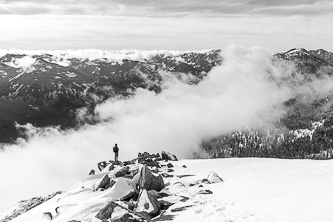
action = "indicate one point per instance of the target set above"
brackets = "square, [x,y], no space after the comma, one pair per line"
[245,89]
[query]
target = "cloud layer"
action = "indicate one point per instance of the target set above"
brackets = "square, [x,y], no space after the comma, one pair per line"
[176,25]
[161,8]
[233,96]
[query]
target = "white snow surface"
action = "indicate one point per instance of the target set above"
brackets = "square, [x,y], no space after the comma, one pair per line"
[254,189]
[24,62]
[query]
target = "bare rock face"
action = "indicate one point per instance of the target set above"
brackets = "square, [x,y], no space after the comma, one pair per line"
[169,156]
[122,172]
[149,181]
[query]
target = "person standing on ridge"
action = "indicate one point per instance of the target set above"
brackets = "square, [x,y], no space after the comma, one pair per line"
[115,150]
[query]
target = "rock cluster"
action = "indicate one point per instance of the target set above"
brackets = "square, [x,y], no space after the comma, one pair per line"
[137,184]
[140,192]
[147,188]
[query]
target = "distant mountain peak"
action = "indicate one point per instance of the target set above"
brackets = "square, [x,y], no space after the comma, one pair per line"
[297,51]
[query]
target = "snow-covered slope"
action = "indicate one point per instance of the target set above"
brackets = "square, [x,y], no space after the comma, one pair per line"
[254,189]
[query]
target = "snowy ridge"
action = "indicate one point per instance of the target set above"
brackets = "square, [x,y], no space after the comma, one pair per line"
[254,190]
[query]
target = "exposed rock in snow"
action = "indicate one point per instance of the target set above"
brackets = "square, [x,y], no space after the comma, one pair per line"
[103,182]
[149,181]
[147,203]
[169,156]
[214,178]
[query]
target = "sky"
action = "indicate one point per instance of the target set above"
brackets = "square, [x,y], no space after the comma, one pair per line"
[172,25]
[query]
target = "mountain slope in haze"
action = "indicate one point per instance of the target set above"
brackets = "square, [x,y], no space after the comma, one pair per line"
[55,86]
[305,131]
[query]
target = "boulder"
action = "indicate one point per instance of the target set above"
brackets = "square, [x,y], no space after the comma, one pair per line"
[145,154]
[112,182]
[131,206]
[214,178]
[92,172]
[165,193]
[151,163]
[111,166]
[205,192]
[128,196]
[126,163]
[144,157]
[166,175]
[101,165]
[106,212]
[147,203]
[180,208]
[122,172]
[48,214]
[102,183]
[168,156]
[165,204]
[149,181]
[144,215]
[169,165]
[157,157]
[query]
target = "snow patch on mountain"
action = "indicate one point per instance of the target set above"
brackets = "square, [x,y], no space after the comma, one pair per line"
[24,63]
[58,60]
